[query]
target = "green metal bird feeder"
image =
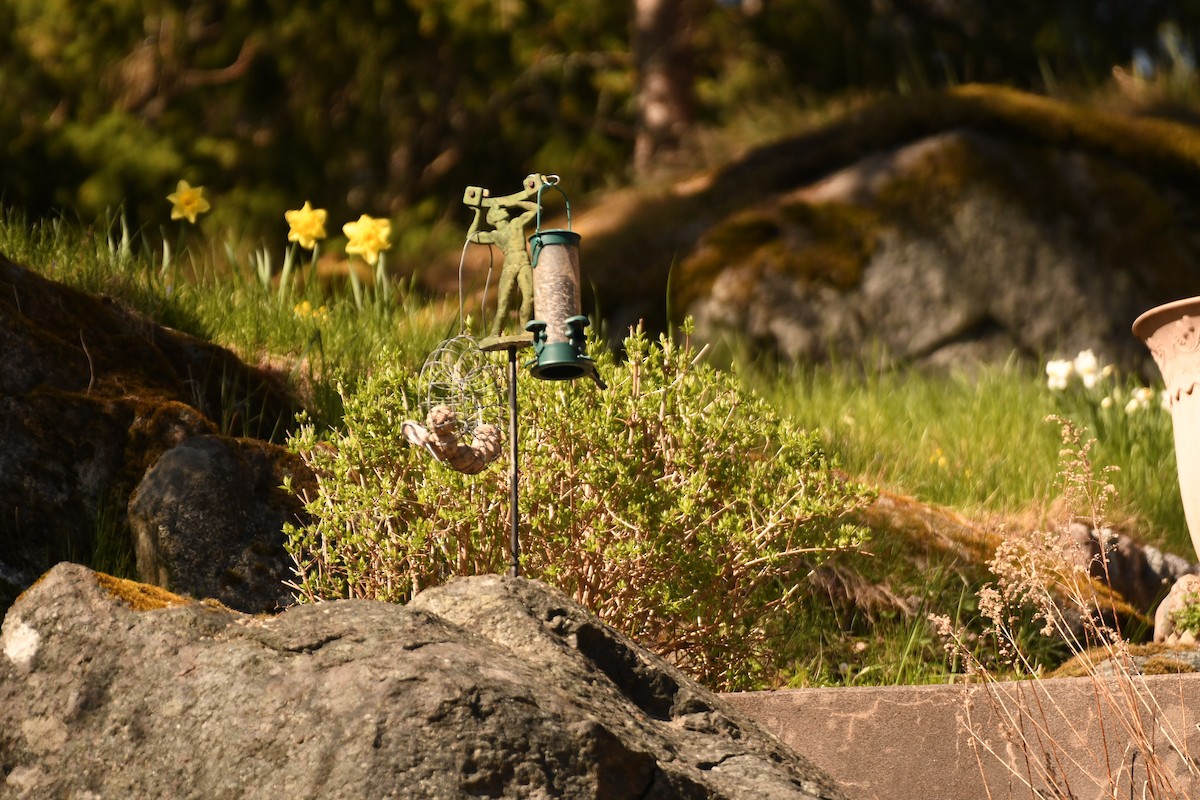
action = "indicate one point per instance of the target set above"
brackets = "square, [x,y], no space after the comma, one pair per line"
[559,338]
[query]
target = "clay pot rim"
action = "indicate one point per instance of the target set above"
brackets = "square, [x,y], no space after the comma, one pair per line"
[1150,321]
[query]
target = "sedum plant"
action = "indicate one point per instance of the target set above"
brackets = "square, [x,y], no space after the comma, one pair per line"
[1188,617]
[675,504]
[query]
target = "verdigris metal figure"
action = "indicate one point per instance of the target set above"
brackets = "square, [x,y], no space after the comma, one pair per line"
[507,216]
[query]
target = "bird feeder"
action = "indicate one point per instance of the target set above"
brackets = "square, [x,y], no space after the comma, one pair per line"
[559,340]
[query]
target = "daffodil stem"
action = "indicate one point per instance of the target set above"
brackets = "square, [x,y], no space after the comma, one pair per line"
[285,277]
[312,267]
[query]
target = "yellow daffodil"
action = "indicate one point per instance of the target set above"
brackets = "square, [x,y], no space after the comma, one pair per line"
[307,225]
[187,202]
[368,237]
[305,310]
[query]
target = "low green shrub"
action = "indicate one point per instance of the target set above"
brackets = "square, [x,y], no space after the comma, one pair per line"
[675,504]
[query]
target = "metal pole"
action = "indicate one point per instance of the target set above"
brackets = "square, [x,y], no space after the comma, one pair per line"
[514,473]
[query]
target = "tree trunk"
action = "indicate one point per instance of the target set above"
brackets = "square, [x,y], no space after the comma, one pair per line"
[663,57]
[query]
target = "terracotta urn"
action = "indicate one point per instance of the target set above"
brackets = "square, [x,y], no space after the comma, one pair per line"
[1172,332]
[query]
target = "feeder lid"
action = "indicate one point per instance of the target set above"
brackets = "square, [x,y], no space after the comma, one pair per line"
[556,236]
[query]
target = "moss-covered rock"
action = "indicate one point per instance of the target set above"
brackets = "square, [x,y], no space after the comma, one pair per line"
[968,223]
[1146,659]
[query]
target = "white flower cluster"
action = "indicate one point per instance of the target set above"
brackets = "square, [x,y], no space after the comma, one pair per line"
[1087,368]
[1140,400]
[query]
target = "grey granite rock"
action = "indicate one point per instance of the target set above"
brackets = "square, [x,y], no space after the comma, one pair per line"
[488,687]
[207,521]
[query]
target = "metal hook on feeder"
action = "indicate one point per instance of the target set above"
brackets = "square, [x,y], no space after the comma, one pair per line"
[559,340]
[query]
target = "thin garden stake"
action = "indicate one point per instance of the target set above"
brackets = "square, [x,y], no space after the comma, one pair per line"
[514,470]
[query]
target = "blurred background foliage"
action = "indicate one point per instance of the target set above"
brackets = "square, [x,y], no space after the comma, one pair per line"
[392,107]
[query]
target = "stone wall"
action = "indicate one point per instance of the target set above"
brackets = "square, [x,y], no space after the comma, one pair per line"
[913,742]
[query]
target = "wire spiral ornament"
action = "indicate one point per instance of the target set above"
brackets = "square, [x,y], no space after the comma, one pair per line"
[460,375]
[461,401]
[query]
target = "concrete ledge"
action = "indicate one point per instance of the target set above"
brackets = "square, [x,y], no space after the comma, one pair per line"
[912,743]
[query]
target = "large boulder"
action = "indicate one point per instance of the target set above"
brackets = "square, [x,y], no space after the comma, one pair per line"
[941,229]
[91,394]
[488,687]
[961,244]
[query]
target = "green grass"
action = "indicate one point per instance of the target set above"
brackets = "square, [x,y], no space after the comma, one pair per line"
[982,443]
[967,443]
[979,444]
[866,620]
[840,644]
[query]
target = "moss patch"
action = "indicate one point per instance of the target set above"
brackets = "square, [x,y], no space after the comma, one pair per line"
[924,195]
[1151,659]
[1165,665]
[1103,202]
[827,243]
[139,596]
[1167,150]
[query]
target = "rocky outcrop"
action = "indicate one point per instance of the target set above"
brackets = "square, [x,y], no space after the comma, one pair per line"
[91,394]
[1141,573]
[943,250]
[487,687]
[940,229]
